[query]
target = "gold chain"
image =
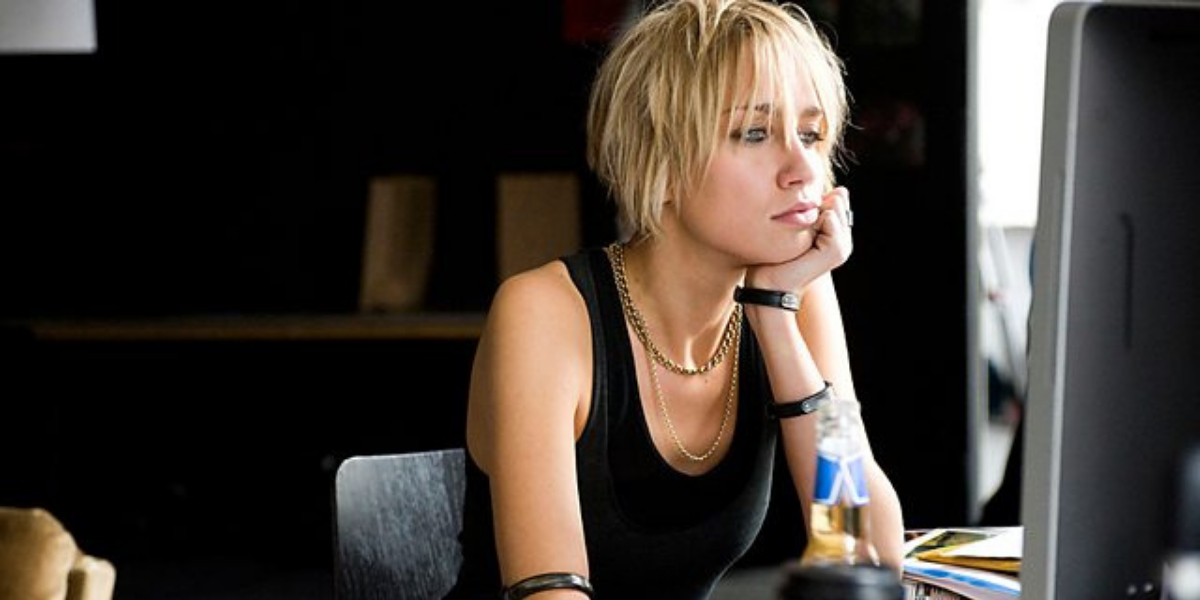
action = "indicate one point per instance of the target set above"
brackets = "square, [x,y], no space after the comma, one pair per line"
[616,257]
[662,406]
[729,339]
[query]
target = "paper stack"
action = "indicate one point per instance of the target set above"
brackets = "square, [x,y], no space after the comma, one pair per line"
[963,564]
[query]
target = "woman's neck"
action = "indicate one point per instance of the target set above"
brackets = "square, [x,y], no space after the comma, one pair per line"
[685,296]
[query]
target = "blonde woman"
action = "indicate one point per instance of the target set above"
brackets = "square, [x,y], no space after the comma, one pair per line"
[626,401]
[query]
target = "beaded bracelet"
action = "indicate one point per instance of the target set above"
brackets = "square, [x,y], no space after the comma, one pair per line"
[547,581]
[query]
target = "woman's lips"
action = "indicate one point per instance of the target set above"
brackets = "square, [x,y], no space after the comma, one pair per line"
[803,216]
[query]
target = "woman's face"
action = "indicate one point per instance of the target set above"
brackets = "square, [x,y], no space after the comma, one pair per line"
[762,193]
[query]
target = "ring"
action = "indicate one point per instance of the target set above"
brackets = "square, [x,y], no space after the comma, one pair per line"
[849,218]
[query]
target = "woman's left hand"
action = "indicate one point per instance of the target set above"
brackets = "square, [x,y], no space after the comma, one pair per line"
[831,247]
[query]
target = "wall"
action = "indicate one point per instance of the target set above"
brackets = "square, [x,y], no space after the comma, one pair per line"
[211,159]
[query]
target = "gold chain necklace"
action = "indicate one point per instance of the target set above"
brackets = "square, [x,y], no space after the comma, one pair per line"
[616,257]
[662,406]
[729,339]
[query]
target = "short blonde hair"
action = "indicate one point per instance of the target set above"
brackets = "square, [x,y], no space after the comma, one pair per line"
[657,102]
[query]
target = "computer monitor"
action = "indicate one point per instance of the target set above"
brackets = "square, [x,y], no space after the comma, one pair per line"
[1114,355]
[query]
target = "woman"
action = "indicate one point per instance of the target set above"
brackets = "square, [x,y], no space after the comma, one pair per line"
[617,432]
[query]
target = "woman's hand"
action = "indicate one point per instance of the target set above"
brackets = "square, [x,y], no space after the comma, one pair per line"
[831,247]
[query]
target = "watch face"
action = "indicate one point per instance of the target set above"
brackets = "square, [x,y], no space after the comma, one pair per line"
[790,301]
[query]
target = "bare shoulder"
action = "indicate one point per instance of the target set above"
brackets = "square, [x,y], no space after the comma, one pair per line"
[543,298]
[538,318]
[532,370]
[547,283]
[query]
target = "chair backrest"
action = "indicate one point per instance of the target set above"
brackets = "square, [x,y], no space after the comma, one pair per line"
[396,523]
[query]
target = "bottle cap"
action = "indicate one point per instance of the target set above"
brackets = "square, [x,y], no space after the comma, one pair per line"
[840,582]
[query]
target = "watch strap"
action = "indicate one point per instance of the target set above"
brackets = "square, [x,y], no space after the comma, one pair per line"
[801,407]
[773,298]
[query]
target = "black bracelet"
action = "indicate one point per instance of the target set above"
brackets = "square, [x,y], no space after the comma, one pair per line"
[547,581]
[772,298]
[801,407]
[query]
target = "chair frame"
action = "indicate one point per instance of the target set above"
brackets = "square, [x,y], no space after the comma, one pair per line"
[396,523]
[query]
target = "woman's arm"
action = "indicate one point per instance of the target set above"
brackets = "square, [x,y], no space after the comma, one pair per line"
[822,331]
[801,352]
[530,389]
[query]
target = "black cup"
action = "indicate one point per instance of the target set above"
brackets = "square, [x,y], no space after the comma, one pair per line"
[840,582]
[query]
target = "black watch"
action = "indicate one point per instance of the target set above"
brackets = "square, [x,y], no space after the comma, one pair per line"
[772,298]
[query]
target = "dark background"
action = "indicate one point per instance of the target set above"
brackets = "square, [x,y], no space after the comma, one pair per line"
[214,159]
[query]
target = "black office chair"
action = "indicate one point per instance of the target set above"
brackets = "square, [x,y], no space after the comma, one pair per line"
[396,524]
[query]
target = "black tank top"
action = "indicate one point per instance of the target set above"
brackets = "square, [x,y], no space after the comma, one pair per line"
[650,531]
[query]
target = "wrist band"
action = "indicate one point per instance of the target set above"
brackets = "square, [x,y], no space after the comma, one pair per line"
[772,298]
[801,407]
[547,581]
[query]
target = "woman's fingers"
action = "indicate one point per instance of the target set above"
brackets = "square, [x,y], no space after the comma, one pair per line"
[838,202]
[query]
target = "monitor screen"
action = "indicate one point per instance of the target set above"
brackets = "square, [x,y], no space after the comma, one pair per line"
[1114,355]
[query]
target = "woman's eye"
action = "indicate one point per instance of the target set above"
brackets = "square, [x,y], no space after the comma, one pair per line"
[751,135]
[810,138]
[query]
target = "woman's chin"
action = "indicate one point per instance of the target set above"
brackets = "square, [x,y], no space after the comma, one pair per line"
[792,248]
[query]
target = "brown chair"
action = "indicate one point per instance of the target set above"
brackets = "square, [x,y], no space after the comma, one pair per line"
[39,560]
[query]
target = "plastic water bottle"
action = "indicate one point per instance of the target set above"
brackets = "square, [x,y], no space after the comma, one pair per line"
[839,523]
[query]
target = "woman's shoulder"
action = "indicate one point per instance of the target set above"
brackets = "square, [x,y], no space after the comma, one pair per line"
[548,282]
[544,294]
[533,348]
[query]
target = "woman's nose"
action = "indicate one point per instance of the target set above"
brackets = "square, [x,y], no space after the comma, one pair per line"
[800,164]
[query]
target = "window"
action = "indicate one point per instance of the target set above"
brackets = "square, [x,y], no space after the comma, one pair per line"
[1006,81]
